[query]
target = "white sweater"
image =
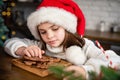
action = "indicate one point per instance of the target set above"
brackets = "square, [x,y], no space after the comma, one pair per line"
[89,57]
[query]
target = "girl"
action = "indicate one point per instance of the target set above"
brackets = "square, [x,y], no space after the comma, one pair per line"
[58,27]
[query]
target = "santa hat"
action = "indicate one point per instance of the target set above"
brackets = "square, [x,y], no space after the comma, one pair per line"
[65,13]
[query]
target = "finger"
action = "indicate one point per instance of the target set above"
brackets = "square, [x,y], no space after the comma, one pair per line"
[66,78]
[43,51]
[31,52]
[40,53]
[77,70]
[36,51]
[70,68]
[26,53]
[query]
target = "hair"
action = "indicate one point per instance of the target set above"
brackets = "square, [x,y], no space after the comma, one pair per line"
[70,40]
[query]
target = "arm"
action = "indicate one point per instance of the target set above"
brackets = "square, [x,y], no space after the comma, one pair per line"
[96,58]
[90,58]
[30,51]
[12,45]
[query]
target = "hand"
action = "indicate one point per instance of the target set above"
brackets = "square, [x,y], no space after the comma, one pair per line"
[78,71]
[30,51]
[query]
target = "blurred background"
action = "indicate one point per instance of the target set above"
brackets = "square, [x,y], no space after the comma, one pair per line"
[102,20]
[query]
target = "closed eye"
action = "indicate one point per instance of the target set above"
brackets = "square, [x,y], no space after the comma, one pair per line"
[55,28]
[42,32]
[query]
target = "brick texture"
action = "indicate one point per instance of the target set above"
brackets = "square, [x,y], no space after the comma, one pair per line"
[100,10]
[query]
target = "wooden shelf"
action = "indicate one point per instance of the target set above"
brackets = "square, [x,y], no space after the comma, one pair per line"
[103,36]
[107,39]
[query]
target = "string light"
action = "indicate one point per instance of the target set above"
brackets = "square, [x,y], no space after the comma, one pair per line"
[13,32]
[3,37]
[5,19]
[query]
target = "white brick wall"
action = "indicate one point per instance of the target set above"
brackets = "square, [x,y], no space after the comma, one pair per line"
[100,10]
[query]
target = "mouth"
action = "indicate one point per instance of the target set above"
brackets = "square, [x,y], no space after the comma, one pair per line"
[52,42]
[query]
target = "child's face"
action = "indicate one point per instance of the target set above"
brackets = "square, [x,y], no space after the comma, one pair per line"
[51,34]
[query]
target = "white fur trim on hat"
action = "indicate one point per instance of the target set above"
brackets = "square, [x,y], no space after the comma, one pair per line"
[53,15]
[75,55]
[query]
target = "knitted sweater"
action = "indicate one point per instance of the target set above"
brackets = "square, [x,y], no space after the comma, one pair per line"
[89,57]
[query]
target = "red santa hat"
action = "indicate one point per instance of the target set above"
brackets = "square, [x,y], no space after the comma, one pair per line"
[65,13]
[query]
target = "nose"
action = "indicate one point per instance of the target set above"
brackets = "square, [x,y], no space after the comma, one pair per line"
[50,34]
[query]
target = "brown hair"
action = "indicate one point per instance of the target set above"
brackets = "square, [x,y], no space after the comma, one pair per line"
[70,40]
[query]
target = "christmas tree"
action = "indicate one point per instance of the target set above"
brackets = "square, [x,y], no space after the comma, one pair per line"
[5,13]
[3,28]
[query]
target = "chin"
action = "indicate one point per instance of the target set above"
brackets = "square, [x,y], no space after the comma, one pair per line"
[54,45]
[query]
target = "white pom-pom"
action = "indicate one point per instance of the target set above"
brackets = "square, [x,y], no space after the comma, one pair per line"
[75,55]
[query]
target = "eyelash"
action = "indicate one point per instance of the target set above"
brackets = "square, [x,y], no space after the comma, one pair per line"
[43,32]
[54,29]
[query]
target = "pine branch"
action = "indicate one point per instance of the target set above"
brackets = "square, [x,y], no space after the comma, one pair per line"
[61,73]
[106,74]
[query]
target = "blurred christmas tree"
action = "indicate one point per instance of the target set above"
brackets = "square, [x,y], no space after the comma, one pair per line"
[5,12]
[3,29]
[106,74]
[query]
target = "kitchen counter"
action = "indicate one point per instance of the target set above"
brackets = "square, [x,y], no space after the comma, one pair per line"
[11,72]
[107,39]
[104,36]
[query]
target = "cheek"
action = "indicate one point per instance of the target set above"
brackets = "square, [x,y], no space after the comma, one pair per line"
[44,38]
[61,35]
